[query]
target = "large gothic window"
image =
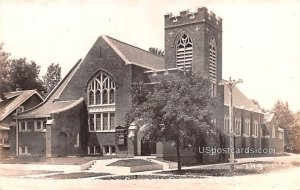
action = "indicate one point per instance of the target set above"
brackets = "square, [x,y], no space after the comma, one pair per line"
[101,90]
[184,53]
[101,103]
[213,65]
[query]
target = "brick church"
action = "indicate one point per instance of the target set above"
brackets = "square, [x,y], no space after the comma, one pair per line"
[86,112]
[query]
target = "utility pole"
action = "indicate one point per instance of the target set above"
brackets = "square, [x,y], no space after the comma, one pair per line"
[231,84]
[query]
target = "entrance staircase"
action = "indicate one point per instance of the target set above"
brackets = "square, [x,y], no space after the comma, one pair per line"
[102,166]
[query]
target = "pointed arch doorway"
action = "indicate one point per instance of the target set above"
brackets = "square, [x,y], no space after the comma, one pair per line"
[144,147]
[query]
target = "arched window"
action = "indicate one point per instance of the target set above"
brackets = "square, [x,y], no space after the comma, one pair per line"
[101,90]
[273,131]
[213,65]
[101,103]
[184,53]
[213,59]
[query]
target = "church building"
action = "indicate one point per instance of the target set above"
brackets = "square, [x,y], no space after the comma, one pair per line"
[86,112]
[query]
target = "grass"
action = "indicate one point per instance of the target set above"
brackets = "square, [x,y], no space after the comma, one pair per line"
[249,168]
[51,161]
[150,177]
[184,174]
[296,163]
[131,162]
[18,173]
[209,172]
[76,175]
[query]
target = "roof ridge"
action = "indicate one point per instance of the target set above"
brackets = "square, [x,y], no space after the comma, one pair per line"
[239,93]
[53,91]
[250,100]
[32,92]
[135,46]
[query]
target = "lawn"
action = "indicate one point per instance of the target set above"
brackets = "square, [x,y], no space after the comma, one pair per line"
[184,174]
[150,177]
[76,175]
[19,173]
[131,162]
[216,171]
[51,161]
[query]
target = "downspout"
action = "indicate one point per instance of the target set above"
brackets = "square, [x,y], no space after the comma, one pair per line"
[17,137]
[259,129]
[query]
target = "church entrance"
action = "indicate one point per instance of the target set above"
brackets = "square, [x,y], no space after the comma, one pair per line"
[144,146]
[62,144]
[148,148]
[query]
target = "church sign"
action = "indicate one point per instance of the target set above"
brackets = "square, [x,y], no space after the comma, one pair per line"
[120,135]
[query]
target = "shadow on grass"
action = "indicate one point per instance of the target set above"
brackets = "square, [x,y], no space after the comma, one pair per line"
[211,172]
[149,177]
[131,162]
[261,155]
[76,175]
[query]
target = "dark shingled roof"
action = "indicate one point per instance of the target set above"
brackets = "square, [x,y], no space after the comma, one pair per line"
[239,100]
[46,109]
[9,95]
[14,100]
[134,55]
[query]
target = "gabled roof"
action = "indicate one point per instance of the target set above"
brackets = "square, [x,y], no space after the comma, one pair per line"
[51,103]
[130,55]
[15,100]
[240,100]
[9,95]
[268,116]
[46,109]
[134,55]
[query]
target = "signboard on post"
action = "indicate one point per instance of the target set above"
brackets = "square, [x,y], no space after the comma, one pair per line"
[120,135]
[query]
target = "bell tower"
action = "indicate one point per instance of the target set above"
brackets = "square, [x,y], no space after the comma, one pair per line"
[193,42]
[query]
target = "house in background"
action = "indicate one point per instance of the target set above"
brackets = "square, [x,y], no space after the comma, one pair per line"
[272,135]
[10,104]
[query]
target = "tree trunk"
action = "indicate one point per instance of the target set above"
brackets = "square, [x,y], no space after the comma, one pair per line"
[178,155]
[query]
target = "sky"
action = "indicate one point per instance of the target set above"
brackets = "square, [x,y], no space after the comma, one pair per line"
[261,39]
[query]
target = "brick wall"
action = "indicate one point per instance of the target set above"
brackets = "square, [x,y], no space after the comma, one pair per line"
[36,147]
[108,62]
[33,140]
[274,142]
[67,124]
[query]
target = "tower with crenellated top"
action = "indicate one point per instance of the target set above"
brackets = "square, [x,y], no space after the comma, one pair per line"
[193,42]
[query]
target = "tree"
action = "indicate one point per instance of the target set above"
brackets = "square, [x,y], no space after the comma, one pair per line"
[285,120]
[177,110]
[4,71]
[157,51]
[52,77]
[296,139]
[25,75]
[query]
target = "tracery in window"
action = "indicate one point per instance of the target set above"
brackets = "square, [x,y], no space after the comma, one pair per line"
[101,99]
[101,90]
[213,65]
[184,53]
